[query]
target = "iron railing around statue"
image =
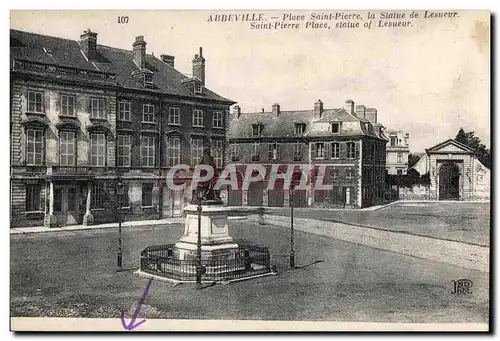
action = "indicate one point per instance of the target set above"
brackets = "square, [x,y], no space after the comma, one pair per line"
[246,261]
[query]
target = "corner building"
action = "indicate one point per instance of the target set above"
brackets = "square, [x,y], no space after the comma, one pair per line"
[85,115]
[348,142]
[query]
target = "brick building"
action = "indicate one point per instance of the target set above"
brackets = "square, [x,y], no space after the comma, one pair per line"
[398,149]
[84,115]
[344,141]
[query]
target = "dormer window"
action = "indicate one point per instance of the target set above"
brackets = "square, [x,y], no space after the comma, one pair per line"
[300,128]
[198,88]
[335,128]
[256,129]
[148,81]
[144,77]
[47,51]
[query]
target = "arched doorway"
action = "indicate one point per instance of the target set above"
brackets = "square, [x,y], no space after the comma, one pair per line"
[449,181]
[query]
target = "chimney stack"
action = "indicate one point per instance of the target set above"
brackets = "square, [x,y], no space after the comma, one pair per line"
[276,109]
[88,44]
[361,111]
[318,109]
[139,48]
[237,111]
[371,115]
[199,66]
[169,60]
[349,106]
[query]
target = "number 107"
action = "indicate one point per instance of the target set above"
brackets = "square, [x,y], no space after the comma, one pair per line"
[123,19]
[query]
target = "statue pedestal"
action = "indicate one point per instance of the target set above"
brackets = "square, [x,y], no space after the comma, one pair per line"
[216,243]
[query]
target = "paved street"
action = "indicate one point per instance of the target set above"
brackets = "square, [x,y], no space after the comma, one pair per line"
[73,274]
[458,221]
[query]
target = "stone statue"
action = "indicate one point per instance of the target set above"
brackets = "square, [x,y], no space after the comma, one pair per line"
[205,190]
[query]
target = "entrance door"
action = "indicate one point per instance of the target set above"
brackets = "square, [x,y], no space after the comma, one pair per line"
[66,205]
[255,194]
[449,181]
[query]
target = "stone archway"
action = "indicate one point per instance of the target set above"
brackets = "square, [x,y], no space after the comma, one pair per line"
[449,181]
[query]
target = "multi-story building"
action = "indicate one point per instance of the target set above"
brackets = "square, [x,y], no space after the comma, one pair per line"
[343,141]
[86,116]
[398,149]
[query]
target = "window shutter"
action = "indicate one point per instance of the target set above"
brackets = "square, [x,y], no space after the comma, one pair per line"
[356,144]
[313,150]
[59,104]
[342,150]
[328,150]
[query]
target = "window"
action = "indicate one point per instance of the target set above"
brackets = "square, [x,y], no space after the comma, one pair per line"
[34,147]
[393,141]
[58,199]
[299,129]
[148,81]
[273,151]
[335,175]
[320,150]
[218,119]
[399,172]
[148,151]
[400,157]
[124,146]
[297,151]
[174,151]
[198,88]
[97,196]
[124,197]
[255,151]
[372,152]
[124,111]
[256,129]
[97,108]
[349,174]
[351,150]
[174,116]
[148,113]
[235,152]
[196,151]
[68,105]
[335,150]
[218,152]
[67,148]
[98,150]
[147,195]
[335,128]
[33,195]
[197,118]
[35,101]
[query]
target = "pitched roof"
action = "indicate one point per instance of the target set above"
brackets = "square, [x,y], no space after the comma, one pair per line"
[460,147]
[67,53]
[283,124]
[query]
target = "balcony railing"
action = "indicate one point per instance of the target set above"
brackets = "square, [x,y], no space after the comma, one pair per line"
[60,70]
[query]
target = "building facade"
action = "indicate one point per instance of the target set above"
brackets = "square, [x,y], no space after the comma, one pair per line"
[85,117]
[455,173]
[398,149]
[339,147]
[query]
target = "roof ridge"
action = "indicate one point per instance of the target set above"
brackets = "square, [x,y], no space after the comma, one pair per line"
[43,35]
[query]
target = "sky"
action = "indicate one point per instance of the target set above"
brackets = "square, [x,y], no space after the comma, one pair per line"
[428,80]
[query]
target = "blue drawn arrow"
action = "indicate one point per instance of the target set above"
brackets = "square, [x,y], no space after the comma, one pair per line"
[132,325]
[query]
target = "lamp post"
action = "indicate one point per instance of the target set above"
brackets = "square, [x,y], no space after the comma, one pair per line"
[199,267]
[292,234]
[119,194]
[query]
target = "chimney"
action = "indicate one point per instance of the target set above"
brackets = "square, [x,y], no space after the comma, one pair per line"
[237,111]
[276,109]
[361,111]
[139,48]
[88,44]
[199,66]
[169,60]
[371,115]
[349,106]
[318,109]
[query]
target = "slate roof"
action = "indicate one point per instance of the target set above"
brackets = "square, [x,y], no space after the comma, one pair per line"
[67,53]
[283,125]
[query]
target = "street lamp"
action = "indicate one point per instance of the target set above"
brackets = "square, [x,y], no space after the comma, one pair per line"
[119,195]
[292,234]
[199,267]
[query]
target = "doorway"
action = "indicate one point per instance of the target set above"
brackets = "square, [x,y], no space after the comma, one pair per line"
[449,181]
[67,205]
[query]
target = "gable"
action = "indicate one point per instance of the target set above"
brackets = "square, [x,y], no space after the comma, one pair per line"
[450,146]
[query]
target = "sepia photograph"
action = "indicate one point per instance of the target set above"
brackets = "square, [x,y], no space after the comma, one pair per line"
[257,170]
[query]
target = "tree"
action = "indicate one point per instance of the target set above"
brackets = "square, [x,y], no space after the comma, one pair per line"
[413,159]
[472,141]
